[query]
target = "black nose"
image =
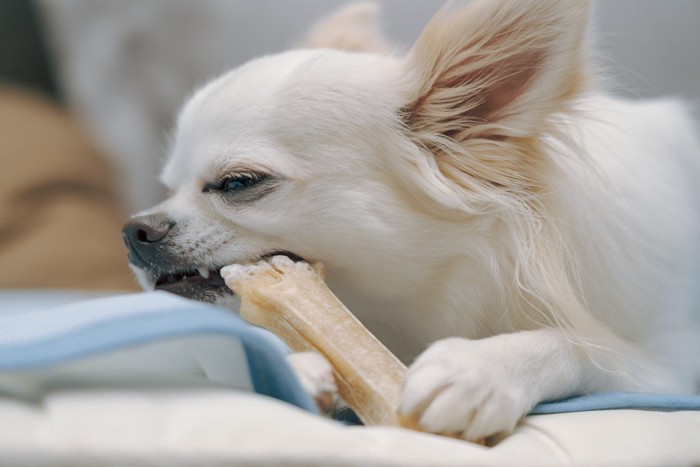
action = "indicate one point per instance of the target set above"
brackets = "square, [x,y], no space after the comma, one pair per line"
[143,236]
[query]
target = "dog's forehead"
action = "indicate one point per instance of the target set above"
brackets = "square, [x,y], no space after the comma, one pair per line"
[284,99]
[222,114]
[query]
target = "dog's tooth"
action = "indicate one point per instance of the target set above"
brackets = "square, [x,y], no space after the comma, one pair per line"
[204,272]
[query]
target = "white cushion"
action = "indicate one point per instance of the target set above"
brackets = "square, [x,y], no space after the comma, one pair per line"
[200,427]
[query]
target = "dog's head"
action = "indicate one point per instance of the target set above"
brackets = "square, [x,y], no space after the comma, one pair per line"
[362,160]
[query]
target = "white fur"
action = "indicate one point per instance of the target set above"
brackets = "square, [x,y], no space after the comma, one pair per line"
[571,275]
[316,376]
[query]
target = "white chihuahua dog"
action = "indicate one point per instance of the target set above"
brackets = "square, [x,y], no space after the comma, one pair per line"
[480,195]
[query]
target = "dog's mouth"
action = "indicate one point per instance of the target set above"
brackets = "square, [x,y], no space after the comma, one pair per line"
[204,283]
[198,283]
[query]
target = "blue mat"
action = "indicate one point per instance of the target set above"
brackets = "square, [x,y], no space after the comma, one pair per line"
[50,337]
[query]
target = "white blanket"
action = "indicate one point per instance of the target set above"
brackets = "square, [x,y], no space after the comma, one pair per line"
[214,427]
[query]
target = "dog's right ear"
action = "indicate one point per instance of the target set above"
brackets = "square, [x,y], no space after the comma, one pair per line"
[354,28]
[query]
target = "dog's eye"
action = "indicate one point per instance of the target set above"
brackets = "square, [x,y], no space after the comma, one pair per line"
[234,183]
[239,182]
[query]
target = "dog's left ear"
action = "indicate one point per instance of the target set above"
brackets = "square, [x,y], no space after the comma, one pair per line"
[354,28]
[494,72]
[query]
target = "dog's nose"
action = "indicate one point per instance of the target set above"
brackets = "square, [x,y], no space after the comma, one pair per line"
[142,235]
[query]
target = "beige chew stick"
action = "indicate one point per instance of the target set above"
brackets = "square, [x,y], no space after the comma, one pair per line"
[291,300]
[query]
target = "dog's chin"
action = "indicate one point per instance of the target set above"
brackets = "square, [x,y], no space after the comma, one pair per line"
[201,283]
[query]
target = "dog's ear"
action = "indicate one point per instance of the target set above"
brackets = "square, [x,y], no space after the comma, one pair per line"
[495,71]
[354,28]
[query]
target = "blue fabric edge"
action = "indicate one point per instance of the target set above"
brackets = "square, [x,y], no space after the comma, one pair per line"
[270,373]
[618,401]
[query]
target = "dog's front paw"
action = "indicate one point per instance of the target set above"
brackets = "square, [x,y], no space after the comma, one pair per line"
[316,377]
[460,387]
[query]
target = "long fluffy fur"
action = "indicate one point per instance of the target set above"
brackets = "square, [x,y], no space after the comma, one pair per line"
[495,111]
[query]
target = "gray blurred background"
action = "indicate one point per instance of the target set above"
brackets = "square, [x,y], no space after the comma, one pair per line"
[125,66]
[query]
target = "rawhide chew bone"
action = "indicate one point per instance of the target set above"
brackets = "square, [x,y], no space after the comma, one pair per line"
[291,300]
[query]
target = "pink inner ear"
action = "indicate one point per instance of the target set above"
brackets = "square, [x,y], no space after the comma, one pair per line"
[497,68]
[479,96]
[507,81]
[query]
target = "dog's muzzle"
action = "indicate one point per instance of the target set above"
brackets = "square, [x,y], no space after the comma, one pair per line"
[152,245]
[144,237]
[153,250]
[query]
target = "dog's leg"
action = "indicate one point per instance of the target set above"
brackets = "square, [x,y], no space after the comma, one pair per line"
[483,387]
[315,374]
